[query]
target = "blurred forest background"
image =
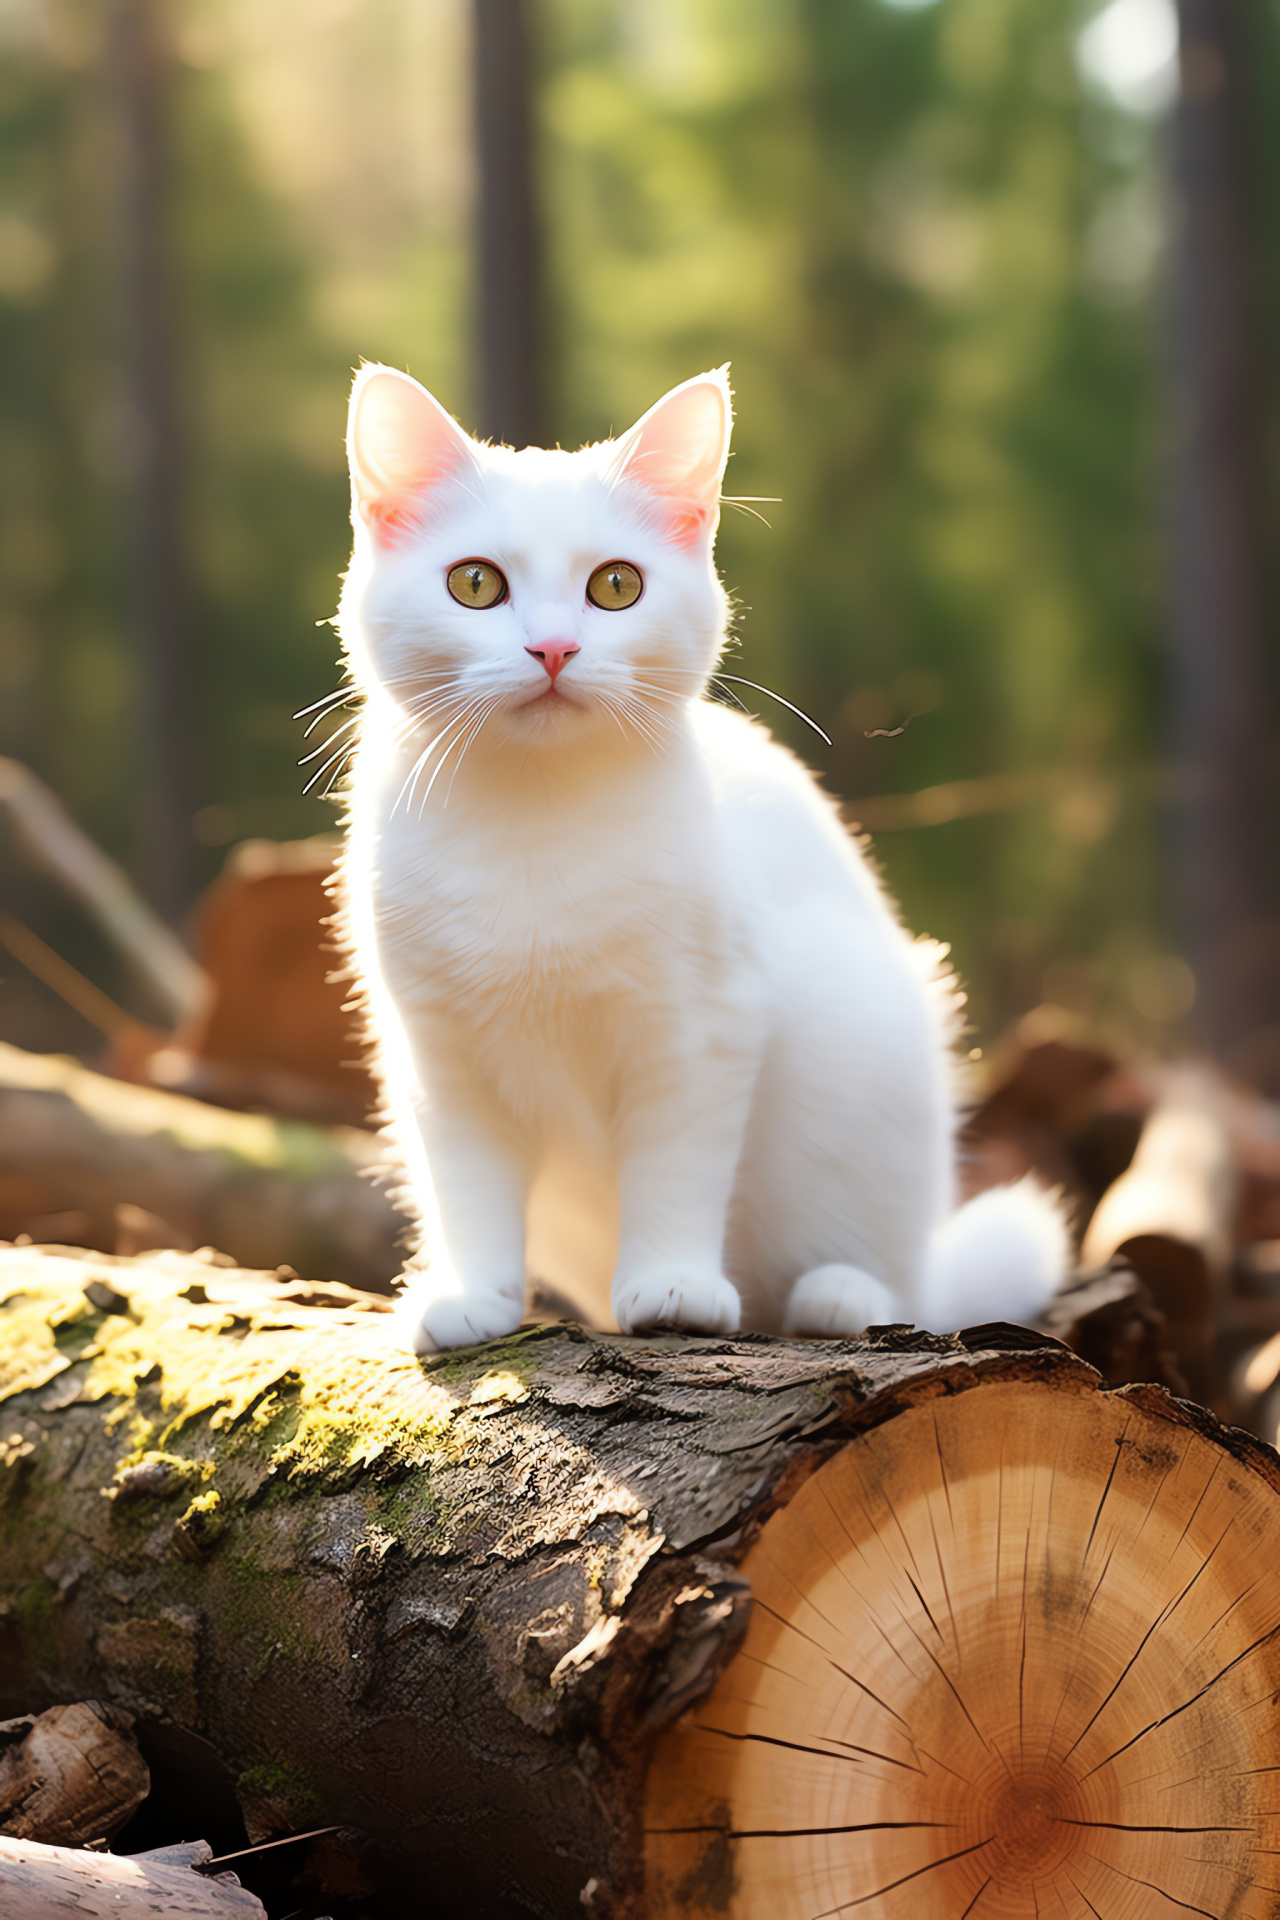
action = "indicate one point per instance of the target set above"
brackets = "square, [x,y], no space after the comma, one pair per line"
[933,239]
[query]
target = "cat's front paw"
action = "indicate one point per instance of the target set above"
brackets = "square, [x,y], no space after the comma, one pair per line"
[434,1317]
[837,1302]
[677,1296]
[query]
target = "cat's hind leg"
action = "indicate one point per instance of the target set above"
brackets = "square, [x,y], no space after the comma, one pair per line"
[680,1293]
[846,1166]
[680,1143]
[835,1302]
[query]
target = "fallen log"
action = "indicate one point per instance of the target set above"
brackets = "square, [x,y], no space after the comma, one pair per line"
[1109,1318]
[1170,1216]
[37,1882]
[70,1775]
[579,1623]
[75,1146]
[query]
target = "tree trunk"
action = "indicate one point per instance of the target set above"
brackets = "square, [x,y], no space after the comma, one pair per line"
[507,278]
[1224,697]
[139,67]
[1006,1632]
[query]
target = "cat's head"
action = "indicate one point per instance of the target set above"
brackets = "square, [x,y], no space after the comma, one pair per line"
[549,594]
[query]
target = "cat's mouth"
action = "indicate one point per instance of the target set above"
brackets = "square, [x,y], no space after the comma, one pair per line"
[551,696]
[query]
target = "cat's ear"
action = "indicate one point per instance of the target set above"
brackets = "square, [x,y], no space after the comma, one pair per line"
[400,444]
[677,454]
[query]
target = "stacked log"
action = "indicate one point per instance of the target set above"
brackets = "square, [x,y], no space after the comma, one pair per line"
[70,1775]
[69,1780]
[578,1623]
[88,1160]
[1172,1170]
[37,1882]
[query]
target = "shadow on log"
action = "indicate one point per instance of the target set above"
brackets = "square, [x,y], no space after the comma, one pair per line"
[578,1623]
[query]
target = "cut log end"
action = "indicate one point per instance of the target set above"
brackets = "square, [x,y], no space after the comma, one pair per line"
[1014,1653]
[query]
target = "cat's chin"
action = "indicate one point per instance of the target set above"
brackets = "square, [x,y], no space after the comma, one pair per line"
[553,716]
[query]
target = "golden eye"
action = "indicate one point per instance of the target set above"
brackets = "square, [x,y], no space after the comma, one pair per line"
[615,585]
[476,583]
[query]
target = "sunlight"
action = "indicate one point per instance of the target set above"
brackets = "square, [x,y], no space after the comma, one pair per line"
[1129,52]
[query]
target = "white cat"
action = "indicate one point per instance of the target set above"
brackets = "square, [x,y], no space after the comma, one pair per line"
[648,1026]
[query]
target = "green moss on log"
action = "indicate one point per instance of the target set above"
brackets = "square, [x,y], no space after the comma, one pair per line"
[287,1401]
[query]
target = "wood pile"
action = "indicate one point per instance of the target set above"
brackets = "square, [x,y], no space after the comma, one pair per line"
[1173,1172]
[633,1628]
[70,1778]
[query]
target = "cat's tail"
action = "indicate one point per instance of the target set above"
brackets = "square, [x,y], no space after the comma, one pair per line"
[1002,1256]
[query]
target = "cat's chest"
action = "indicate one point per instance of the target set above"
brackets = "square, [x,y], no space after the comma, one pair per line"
[464,916]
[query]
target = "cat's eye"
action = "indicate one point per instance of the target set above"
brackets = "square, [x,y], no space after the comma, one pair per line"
[476,583]
[615,585]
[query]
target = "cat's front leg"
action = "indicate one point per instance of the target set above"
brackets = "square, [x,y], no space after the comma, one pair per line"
[471,1180]
[680,1146]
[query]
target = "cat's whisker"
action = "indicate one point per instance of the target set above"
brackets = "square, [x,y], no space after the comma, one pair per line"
[424,714]
[340,772]
[662,687]
[411,784]
[630,711]
[467,744]
[410,724]
[798,711]
[729,693]
[455,726]
[439,684]
[668,696]
[315,753]
[465,718]
[334,699]
[343,753]
[411,778]
[335,707]
[742,503]
[612,712]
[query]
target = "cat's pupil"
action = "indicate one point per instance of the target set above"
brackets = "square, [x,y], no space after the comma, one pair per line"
[475,578]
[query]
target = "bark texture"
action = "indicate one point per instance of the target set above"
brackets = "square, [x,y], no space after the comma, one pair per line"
[38,1882]
[70,1775]
[451,1603]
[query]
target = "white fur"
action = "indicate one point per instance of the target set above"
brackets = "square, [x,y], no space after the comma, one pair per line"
[998,1258]
[646,1020]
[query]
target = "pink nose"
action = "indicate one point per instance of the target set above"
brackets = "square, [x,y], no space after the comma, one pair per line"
[553,654]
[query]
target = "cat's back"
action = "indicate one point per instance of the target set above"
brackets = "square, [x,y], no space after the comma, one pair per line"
[781,833]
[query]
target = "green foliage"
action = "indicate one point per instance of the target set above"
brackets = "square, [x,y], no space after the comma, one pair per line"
[906,229]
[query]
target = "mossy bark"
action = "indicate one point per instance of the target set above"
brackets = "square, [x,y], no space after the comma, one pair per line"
[452,1602]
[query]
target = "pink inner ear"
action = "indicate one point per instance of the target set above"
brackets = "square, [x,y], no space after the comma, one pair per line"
[677,454]
[401,444]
